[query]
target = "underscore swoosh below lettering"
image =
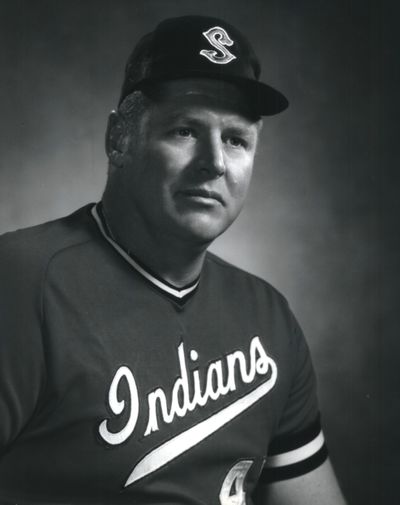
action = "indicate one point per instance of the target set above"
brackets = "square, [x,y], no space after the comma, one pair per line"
[179,444]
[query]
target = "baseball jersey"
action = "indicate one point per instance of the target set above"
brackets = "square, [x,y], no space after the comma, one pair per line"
[119,388]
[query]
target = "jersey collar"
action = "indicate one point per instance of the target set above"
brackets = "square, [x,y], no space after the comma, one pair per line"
[178,294]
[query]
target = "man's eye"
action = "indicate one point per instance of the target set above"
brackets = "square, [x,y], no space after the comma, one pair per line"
[184,132]
[236,142]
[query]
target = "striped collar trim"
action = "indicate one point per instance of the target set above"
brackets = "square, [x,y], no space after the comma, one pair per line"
[176,293]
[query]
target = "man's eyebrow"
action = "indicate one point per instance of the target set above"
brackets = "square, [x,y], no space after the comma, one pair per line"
[240,130]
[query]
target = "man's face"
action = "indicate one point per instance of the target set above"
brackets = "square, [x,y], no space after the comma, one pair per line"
[187,175]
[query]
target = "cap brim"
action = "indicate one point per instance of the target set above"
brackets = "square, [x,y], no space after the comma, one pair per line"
[265,99]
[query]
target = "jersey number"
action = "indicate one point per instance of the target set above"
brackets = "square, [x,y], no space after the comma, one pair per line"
[232,492]
[219,39]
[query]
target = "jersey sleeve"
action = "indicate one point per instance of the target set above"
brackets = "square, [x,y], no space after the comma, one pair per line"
[21,350]
[298,445]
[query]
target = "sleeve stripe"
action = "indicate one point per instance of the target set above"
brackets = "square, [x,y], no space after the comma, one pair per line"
[271,474]
[297,455]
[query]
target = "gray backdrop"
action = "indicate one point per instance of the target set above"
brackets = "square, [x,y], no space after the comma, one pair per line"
[320,214]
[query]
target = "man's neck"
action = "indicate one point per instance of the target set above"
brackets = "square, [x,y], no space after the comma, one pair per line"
[170,258]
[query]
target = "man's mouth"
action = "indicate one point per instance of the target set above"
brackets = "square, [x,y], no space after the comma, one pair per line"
[202,194]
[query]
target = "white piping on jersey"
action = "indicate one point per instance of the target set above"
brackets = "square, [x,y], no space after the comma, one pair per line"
[181,443]
[177,293]
[297,455]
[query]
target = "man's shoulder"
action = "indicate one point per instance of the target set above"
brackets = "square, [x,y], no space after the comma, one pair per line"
[35,246]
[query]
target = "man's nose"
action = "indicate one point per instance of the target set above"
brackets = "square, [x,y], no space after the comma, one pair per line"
[211,156]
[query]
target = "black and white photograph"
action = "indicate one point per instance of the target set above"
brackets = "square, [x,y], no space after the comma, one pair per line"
[198,245]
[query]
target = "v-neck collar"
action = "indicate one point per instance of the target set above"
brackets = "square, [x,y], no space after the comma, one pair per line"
[179,295]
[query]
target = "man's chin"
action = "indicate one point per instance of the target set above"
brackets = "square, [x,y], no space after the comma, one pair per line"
[203,232]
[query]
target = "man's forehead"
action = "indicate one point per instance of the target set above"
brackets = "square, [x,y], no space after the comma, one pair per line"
[202,92]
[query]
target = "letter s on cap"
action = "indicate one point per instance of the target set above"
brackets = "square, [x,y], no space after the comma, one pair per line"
[219,39]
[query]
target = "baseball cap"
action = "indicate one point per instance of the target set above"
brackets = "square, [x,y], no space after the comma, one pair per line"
[203,47]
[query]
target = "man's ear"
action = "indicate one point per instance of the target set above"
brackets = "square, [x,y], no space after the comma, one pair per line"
[115,139]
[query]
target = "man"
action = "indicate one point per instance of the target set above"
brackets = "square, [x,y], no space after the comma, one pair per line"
[135,366]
